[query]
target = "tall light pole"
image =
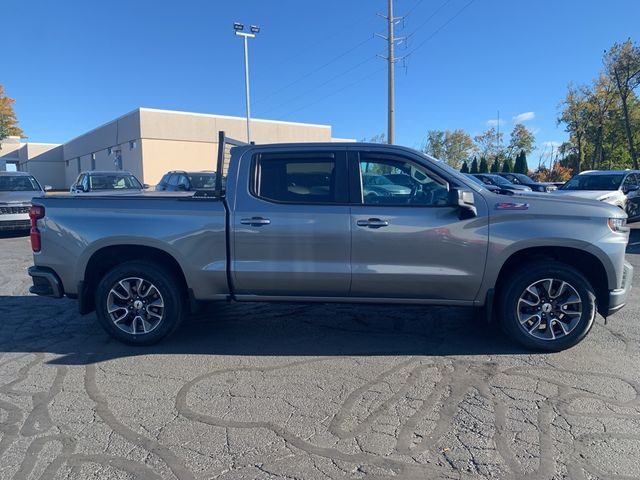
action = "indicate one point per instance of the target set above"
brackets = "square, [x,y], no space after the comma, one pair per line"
[239,27]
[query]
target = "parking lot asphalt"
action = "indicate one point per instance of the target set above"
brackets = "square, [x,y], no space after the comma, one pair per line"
[303,392]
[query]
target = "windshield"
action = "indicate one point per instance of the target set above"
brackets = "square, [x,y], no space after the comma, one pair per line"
[114,182]
[202,180]
[475,179]
[19,184]
[522,177]
[497,180]
[594,182]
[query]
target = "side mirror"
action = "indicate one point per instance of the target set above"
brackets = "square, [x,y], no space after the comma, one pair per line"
[464,200]
[146,186]
[48,188]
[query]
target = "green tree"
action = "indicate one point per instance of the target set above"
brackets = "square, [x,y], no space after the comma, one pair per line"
[8,122]
[495,166]
[465,167]
[521,163]
[484,167]
[521,139]
[452,147]
[506,165]
[474,166]
[622,63]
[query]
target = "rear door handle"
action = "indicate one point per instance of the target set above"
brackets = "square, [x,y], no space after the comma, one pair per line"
[373,223]
[255,221]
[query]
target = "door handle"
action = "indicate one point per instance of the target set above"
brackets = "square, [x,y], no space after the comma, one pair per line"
[255,221]
[372,223]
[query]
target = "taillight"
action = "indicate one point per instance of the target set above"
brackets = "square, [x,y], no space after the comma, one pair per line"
[36,212]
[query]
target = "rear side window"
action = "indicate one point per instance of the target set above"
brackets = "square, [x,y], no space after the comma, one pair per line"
[173,180]
[630,181]
[304,178]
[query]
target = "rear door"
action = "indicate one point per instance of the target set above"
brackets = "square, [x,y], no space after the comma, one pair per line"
[407,242]
[291,224]
[632,194]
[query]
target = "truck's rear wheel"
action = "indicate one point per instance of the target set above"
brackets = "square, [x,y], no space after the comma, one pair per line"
[547,306]
[139,303]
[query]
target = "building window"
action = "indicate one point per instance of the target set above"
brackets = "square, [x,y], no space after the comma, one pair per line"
[132,144]
[93,161]
[66,163]
[79,165]
[109,151]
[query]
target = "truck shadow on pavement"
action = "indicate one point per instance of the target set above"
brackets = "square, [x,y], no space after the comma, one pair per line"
[30,324]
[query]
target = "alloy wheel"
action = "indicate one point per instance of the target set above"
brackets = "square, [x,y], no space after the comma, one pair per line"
[135,306]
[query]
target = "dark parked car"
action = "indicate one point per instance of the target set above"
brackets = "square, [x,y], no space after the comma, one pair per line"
[488,186]
[497,181]
[180,181]
[107,182]
[375,185]
[522,179]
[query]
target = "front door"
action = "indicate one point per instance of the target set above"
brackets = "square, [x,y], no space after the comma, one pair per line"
[407,242]
[291,226]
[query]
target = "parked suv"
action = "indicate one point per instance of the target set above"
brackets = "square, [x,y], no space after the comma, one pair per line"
[180,181]
[522,179]
[617,187]
[105,182]
[16,191]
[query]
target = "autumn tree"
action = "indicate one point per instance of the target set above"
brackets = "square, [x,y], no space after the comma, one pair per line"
[488,143]
[450,146]
[8,122]
[522,139]
[575,117]
[622,63]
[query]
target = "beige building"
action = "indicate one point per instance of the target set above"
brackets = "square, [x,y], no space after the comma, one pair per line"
[148,143]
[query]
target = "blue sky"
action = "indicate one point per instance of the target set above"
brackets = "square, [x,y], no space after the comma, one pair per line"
[73,65]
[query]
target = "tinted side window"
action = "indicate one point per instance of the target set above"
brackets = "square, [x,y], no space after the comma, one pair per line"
[629,181]
[296,180]
[400,182]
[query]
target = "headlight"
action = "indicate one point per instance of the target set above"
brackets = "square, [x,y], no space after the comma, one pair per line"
[618,225]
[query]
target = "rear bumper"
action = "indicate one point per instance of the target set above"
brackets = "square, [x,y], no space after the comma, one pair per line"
[45,282]
[618,297]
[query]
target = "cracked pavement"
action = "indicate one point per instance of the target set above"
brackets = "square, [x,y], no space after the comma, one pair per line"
[257,391]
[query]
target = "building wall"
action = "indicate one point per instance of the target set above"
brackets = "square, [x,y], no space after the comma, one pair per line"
[45,163]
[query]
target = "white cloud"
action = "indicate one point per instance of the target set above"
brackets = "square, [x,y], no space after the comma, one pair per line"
[551,144]
[495,122]
[523,117]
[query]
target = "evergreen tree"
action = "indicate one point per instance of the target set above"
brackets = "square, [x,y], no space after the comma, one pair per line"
[521,163]
[495,166]
[506,166]
[465,167]
[484,168]
[474,166]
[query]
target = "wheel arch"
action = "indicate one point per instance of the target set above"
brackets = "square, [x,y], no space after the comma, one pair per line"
[585,262]
[108,257]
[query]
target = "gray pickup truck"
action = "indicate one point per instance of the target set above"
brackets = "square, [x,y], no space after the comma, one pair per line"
[296,223]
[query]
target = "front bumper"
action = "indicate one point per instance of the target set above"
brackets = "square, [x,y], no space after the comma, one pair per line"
[45,282]
[618,297]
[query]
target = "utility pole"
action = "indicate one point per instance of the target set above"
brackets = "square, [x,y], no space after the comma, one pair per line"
[391,60]
[238,27]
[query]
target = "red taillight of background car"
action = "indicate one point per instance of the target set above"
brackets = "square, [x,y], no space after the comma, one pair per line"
[36,212]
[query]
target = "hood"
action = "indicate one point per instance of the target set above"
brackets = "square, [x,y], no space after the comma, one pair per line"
[19,197]
[602,195]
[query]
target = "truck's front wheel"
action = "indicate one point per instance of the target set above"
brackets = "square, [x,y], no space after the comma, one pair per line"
[547,306]
[139,303]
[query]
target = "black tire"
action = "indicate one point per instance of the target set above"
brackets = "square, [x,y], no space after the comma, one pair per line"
[509,306]
[167,290]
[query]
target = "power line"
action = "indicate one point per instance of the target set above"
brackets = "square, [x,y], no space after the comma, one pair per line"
[306,92]
[336,91]
[433,14]
[439,29]
[308,74]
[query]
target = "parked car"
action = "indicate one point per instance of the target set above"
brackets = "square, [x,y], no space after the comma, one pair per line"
[617,187]
[16,191]
[488,186]
[497,181]
[181,181]
[522,179]
[295,224]
[107,182]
